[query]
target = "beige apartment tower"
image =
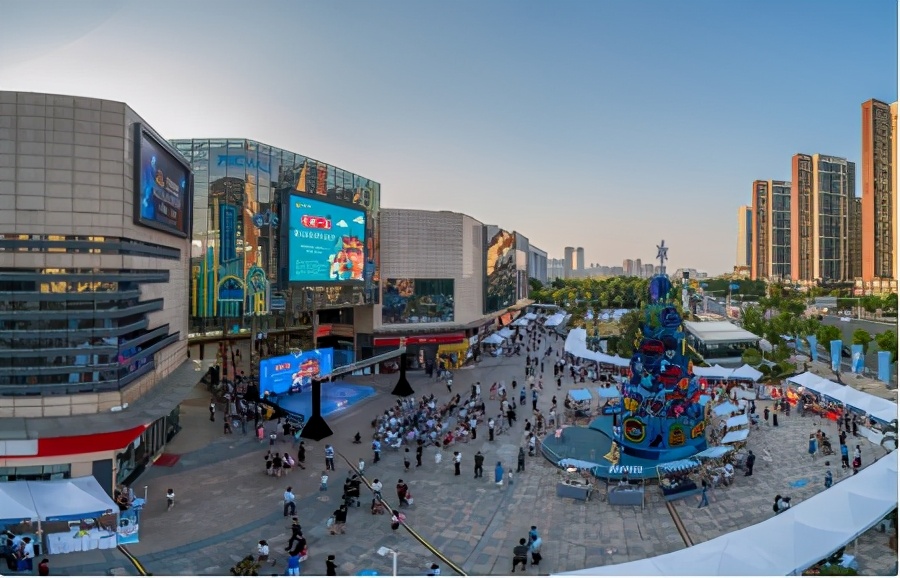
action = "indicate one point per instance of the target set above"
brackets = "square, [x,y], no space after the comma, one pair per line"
[770,230]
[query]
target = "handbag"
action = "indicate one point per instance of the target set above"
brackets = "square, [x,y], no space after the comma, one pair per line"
[304,555]
[329,522]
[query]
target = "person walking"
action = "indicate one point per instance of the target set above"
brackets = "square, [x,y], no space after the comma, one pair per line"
[397,518]
[520,555]
[498,474]
[491,425]
[419,449]
[331,565]
[376,488]
[704,500]
[479,465]
[813,446]
[329,458]
[293,564]
[402,491]
[340,520]
[376,449]
[751,459]
[296,534]
[774,419]
[520,464]
[212,409]
[301,455]
[289,503]
[845,456]
[857,460]
[534,545]
[170,499]
[457,461]
[766,414]
[262,552]
[829,477]
[534,399]
[44,567]
[406,463]
[473,426]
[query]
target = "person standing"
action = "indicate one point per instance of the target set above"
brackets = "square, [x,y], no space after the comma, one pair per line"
[473,425]
[534,545]
[329,458]
[402,491]
[751,459]
[857,460]
[28,553]
[406,459]
[44,567]
[491,425]
[419,449]
[170,499]
[293,564]
[520,463]
[520,555]
[498,474]
[766,414]
[262,552]
[376,449]
[812,446]
[331,566]
[289,503]
[829,477]
[457,461]
[774,419]
[479,465]
[212,409]
[534,399]
[376,488]
[845,456]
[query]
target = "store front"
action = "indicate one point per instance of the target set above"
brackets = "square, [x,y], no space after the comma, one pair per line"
[423,349]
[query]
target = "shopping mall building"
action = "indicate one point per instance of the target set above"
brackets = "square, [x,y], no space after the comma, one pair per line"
[94,254]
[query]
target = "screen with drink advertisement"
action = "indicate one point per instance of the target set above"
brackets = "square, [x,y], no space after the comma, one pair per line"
[326,241]
[163,182]
[294,373]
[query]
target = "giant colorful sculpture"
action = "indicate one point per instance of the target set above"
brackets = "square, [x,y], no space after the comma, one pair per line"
[662,418]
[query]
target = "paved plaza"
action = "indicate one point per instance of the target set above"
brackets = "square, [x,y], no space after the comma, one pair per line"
[226,503]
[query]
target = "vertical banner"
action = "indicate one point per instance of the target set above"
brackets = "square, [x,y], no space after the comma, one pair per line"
[813,347]
[227,233]
[129,526]
[836,354]
[884,366]
[798,344]
[857,358]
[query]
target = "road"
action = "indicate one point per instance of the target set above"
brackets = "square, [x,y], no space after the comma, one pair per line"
[847,328]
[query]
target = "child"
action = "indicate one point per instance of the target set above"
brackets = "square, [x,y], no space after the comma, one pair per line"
[170,498]
[406,460]
[324,486]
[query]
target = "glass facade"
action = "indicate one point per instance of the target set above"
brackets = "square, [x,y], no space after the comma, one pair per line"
[833,193]
[781,229]
[69,330]
[417,301]
[236,265]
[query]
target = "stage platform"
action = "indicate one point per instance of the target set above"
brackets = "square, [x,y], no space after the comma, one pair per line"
[336,397]
[586,446]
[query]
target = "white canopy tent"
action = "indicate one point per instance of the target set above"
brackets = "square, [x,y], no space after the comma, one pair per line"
[73,499]
[505,333]
[725,408]
[785,544]
[714,372]
[576,344]
[745,372]
[531,316]
[16,504]
[737,421]
[879,408]
[521,322]
[735,436]
[494,339]
[805,379]
[555,319]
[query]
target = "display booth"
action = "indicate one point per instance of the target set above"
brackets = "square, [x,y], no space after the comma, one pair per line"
[73,515]
[675,480]
[578,403]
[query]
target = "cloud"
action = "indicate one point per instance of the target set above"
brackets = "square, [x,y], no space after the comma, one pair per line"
[360,220]
[341,223]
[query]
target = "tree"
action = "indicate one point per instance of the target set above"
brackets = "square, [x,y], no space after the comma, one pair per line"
[862,337]
[751,356]
[887,341]
[827,334]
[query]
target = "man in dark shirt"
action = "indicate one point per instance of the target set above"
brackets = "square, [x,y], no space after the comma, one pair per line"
[331,566]
[520,555]
[479,465]
[751,459]
[296,533]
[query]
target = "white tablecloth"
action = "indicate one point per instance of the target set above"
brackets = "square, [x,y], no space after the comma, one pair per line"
[66,542]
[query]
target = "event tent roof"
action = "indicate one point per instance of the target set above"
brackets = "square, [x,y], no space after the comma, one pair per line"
[735,436]
[716,371]
[608,392]
[718,331]
[555,319]
[714,452]
[737,421]
[494,339]
[786,544]
[576,344]
[16,503]
[73,499]
[879,408]
[725,408]
[580,394]
[745,372]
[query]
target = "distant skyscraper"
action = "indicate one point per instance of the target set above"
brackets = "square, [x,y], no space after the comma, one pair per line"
[823,187]
[770,230]
[744,236]
[556,269]
[628,267]
[648,270]
[569,258]
[638,268]
[855,254]
[579,261]
[879,191]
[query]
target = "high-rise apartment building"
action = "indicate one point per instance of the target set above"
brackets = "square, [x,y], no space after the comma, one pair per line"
[648,270]
[556,269]
[770,230]
[579,261]
[744,237]
[879,191]
[638,268]
[628,267]
[569,258]
[823,187]
[856,260]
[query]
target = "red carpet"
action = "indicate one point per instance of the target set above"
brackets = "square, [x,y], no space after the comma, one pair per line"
[167,460]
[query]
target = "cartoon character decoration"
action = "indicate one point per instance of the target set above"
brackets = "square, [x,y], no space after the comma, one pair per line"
[661,397]
[348,261]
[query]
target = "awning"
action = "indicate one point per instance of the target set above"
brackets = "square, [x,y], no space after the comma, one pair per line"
[555,319]
[745,372]
[608,392]
[520,323]
[453,347]
[580,395]
[679,466]
[16,503]
[505,333]
[735,436]
[493,339]
[714,452]
[436,339]
[737,421]
[531,316]
[714,372]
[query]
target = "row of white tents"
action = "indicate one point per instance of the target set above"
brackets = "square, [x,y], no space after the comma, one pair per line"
[53,500]
[785,544]
[881,409]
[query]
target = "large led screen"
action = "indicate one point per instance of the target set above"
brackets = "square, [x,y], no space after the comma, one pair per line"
[500,273]
[163,182]
[326,242]
[294,373]
[417,301]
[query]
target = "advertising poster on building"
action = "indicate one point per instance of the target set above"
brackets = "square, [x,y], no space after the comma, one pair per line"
[227,233]
[293,373]
[326,242]
[163,188]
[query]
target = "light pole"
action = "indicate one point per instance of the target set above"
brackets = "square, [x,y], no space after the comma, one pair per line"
[384,552]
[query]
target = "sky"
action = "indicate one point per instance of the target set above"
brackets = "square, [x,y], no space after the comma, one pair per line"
[608,125]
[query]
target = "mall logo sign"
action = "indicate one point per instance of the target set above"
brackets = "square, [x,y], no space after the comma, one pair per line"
[243,162]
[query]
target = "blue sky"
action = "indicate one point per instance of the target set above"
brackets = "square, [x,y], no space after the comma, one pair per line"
[602,124]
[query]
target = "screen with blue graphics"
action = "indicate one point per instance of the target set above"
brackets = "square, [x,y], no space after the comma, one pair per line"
[294,373]
[326,242]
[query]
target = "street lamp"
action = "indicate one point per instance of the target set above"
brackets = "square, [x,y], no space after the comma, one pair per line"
[384,552]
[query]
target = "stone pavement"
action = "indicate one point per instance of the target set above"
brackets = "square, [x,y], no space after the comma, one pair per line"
[226,503]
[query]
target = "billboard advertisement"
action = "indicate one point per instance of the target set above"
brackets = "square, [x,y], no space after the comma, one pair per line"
[326,242]
[500,270]
[293,373]
[163,185]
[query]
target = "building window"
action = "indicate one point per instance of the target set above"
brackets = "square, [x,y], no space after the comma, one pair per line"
[36,473]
